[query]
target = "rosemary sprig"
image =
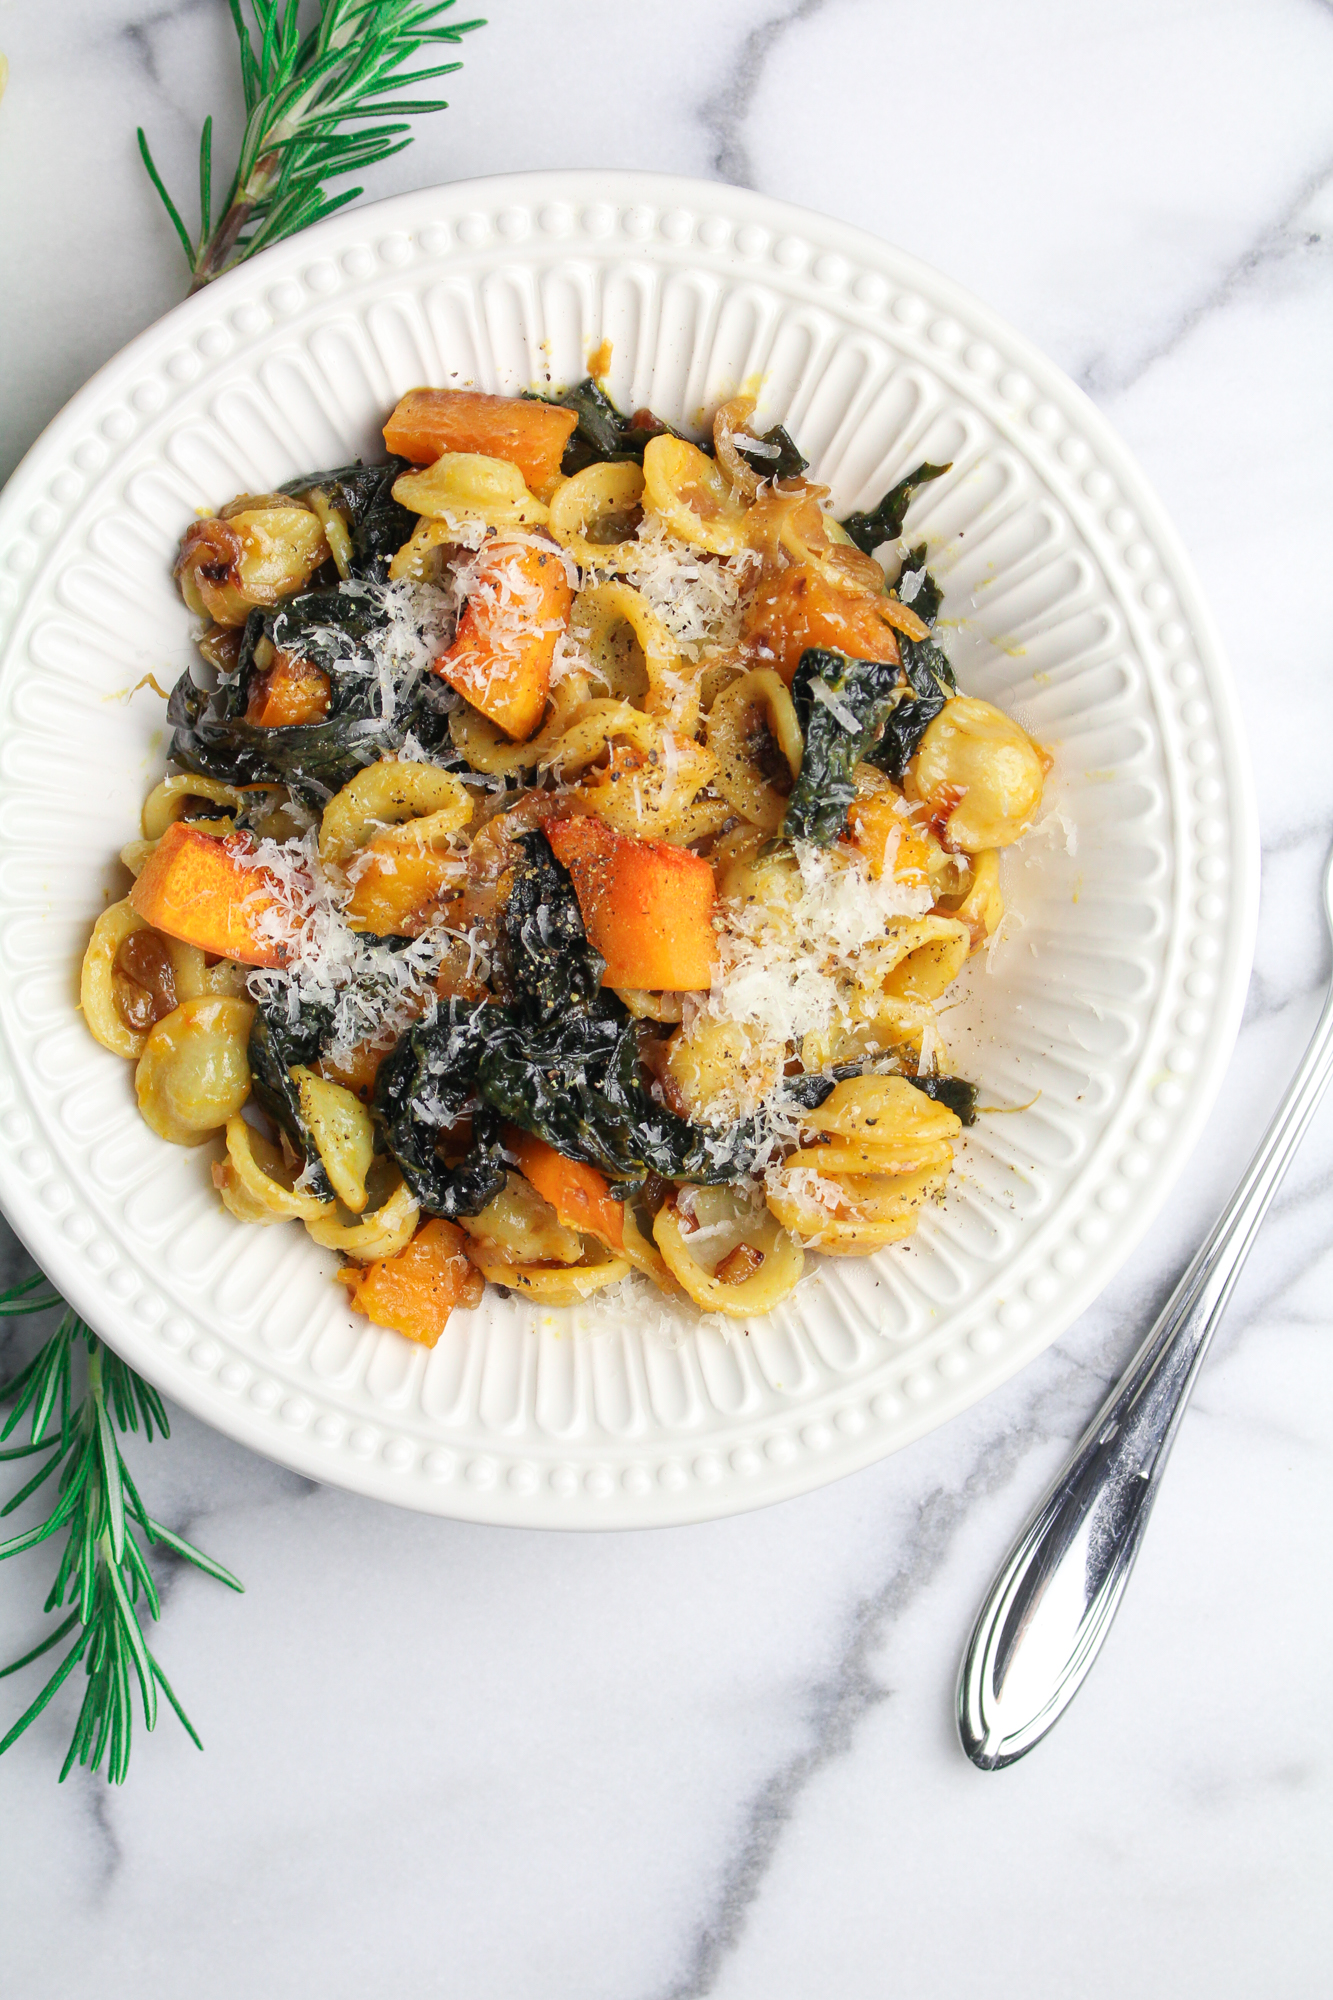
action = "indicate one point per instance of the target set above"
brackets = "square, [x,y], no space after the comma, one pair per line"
[301,90]
[103,1572]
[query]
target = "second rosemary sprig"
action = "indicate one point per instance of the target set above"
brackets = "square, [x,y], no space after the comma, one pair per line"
[103,1574]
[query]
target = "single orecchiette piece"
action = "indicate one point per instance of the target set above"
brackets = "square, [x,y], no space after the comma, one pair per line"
[755,736]
[259,549]
[463,486]
[978,775]
[631,655]
[692,496]
[919,958]
[980,905]
[381,1232]
[257,1184]
[168,799]
[890,1126]
[343,1134]
[596,513]
[388,794]
[194,1075]
[565,1285]
[113,1025]
[726,1254]
[849,1215]
[719,1070]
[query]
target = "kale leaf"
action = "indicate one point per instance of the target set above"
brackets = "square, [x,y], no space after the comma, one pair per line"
[550,966]
[927,597]
[884,523]
[277,1044]
[602,435]
[929,676]
[576,1083]
[904,726]
[788,463]
[960,1097]
[425,1085]
[840,704]
[376,523]
[315,759]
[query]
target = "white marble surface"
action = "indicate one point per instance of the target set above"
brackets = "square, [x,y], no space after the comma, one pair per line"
[720,1760]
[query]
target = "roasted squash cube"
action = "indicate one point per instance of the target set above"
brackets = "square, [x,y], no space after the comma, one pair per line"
[531,435]
[200,889]
[647,907]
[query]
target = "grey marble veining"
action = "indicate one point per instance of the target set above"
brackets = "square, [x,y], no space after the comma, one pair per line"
[719,1761]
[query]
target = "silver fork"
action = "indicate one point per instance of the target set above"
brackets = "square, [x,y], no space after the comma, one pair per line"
[1051,1605]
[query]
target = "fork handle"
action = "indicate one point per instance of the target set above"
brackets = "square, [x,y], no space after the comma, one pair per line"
[1052,1603]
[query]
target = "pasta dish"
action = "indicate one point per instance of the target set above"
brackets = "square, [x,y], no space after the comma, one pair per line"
[565,851]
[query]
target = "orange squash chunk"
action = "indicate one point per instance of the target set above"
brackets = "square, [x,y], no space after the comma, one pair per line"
[292,692]
[415,1291]
[647,907]
[579,1195]
[872,822]
[198,888]
[798,608]
[531,436]
[501,658]
[398,890]
[358,1072]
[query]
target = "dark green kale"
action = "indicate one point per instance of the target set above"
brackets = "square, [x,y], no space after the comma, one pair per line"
[277,1045]
[960,1097]
[840,705]
[927,596]
[884,523]
[330,627]
[809,1090]
[904,726]
[363,494]
[577,1083]
[549,965]
[786,463]
[425,1086]
[930,678]
[603,435]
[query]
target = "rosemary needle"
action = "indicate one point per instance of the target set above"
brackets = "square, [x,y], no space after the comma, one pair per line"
[302,93]
[103,1574]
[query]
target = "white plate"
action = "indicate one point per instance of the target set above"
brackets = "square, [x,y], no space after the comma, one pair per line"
[1117,1000]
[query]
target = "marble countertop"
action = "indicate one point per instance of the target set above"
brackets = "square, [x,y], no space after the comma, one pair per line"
[720,1760]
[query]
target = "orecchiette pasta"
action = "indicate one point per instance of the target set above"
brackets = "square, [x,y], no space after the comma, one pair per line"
[705,1252]
[574,856]
[344,1137]
[595,514]
[257,551]
[632,656]
[256,1183]
[979,776]
[692,497]
[381,1232]
[464,484]
[193,1075]
[755,737]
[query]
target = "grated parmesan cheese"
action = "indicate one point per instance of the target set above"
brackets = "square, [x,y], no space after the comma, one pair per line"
[783,974]
[697,597]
